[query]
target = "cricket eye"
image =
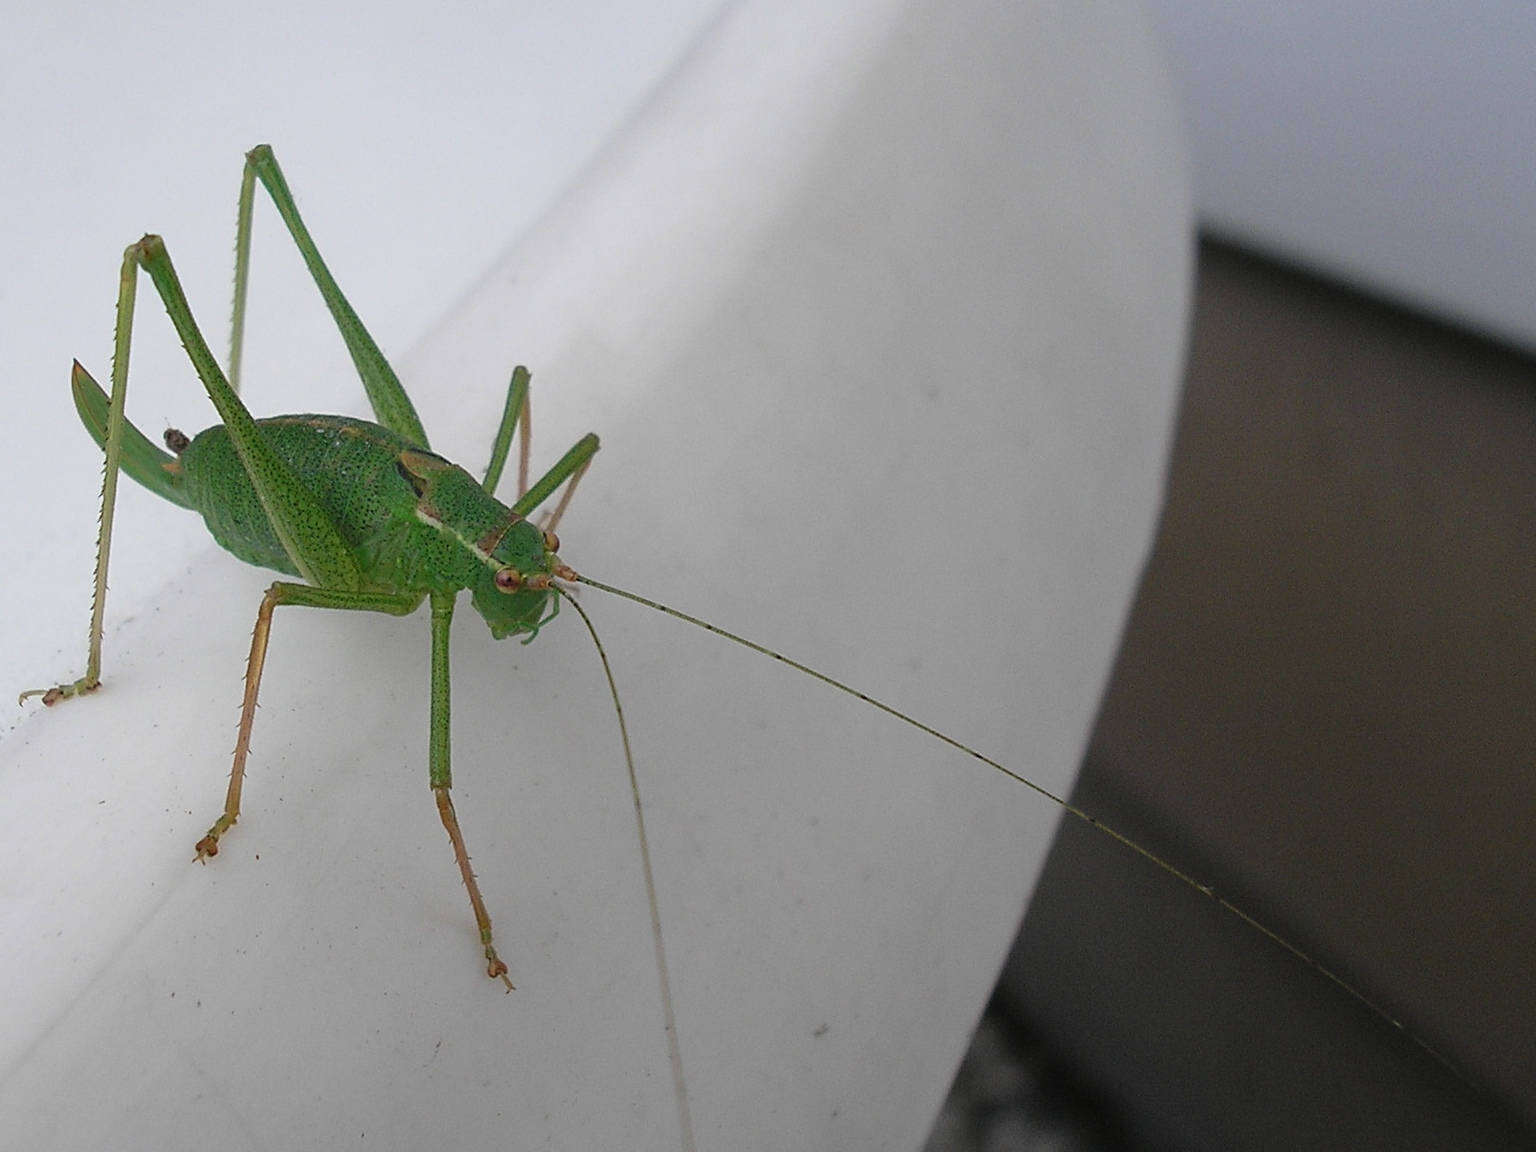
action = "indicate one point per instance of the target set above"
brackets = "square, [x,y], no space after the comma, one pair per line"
[551,542]
[508,579]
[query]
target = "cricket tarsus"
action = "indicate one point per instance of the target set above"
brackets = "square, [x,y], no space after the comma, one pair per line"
[51,696]
[209,844]
[494,967]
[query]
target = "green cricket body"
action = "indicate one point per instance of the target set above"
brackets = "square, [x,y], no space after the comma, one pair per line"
[365,514]
[415,522]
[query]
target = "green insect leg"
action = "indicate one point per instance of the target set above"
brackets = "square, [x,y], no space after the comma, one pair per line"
[390,403]
[572,466]
[242,274]
[113,441]
[440,775]
[283,592]
[311,540]
[516,414]
[305,529]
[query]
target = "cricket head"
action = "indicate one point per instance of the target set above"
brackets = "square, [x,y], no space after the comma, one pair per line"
[515,595]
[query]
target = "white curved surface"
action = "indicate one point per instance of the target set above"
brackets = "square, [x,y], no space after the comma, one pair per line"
[880,315]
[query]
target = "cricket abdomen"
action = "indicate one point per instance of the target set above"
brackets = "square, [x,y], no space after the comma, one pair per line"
[353,468]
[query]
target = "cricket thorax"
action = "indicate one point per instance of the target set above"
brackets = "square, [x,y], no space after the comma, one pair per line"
[504,561]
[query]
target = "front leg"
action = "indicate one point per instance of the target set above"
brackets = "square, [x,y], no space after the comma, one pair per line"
[440,776]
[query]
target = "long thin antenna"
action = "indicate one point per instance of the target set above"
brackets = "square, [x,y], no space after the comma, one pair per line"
[669,1019]
[1087,818]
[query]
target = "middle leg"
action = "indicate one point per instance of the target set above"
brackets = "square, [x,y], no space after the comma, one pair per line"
[283,592]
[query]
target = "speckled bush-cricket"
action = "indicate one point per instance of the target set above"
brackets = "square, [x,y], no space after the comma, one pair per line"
[370,519]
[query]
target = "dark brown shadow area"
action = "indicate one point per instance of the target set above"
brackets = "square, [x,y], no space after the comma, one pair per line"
[1325,704]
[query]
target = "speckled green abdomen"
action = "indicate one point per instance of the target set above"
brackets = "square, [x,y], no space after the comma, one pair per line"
[350,465]
[414,521]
